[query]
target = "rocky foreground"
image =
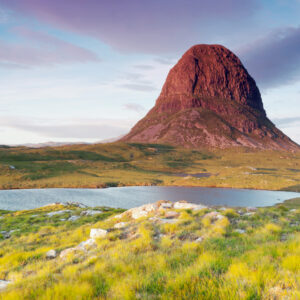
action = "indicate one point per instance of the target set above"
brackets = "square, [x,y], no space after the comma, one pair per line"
[162,250]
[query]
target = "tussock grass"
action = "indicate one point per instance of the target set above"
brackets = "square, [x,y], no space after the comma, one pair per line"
[152,260]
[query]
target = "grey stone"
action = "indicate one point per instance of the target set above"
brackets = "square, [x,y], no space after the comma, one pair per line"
[73,218]
[51,254]
[90,212]
[120,225]
[58,212]
[97,233]
[3,284]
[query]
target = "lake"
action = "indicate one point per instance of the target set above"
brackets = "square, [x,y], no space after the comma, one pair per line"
[127,197]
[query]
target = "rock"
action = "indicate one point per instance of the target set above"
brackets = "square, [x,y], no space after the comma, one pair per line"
[58,212]
[168,221]
[3,284]
[73,218]
[97,233]
[241,231]
[87,244]
[166,205]
[120,225]
[216,103]
[214,216]
[77,204]
[143,211]
[186,205]
[90,212]
[248,214]
[5,234]
[172,214]
[68,251]
[199,239]
[51,254]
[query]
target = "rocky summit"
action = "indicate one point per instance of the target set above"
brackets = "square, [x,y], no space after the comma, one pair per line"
[209,100]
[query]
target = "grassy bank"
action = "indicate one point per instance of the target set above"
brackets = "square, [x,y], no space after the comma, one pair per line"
[120,164]
[212,253]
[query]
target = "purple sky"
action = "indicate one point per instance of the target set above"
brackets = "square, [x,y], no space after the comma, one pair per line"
[103,62]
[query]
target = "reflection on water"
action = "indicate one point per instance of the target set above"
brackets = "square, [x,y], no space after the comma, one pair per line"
[127,197]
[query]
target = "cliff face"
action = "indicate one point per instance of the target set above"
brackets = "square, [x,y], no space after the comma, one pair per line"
[209,100]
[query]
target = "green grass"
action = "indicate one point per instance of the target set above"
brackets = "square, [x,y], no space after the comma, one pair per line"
[134,263]
[124,164]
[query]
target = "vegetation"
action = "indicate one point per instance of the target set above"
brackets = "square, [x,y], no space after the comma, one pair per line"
[120,164]
[241,254]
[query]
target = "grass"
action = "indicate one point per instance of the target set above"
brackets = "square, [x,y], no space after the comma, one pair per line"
[120,164]
[150,260]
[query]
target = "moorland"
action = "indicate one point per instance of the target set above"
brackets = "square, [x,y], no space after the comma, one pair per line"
[129,164]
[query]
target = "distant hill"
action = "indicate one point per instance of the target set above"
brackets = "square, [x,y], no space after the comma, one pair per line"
[209,100]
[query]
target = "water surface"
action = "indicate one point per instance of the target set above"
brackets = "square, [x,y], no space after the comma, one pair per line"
[127,197]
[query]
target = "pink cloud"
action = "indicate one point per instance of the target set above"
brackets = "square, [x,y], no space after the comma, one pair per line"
[141,25]
[40,49]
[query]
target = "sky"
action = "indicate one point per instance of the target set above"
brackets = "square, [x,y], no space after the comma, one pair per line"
[88,70]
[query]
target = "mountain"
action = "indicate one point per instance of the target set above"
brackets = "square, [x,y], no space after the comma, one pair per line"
[209,100]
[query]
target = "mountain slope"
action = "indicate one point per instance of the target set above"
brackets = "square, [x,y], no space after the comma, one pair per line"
[209,100]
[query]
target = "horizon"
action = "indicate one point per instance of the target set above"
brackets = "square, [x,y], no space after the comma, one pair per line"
[86,73]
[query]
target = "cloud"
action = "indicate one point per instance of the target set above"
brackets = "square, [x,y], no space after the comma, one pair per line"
[39,49]
[287,121]
[138,87]
[274,60]
[144,67]
[134,107]
[141,25]
[75,129]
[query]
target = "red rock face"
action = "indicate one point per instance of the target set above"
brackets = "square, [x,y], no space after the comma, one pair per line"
[209,100]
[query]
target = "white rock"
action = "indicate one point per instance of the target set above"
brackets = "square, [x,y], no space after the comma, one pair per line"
[199,239]
[172,214]
[3,284]
[120,225]
[73,218]
[249,214]
[51,254]
[186,205]
[58,212]
[142,211]
[168,221]
[90,212]
[97,233]
[87,244]
[241,231]
[67,251]
[139,214]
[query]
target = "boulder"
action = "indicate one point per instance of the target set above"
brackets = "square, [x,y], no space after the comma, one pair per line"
[97,233]
[172,214]
[51,254]
[3,284]
[90,212]
[87,244]
[186,205]
[73,218]
[58,212]
[120,225]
